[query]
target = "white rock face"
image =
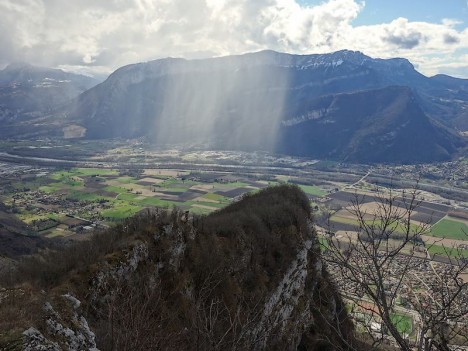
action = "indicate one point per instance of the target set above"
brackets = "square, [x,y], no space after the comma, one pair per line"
[105,277]
[71,334]
[282,306]
[35,341]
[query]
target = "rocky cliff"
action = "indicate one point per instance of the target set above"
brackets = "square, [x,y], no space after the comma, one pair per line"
[248,277]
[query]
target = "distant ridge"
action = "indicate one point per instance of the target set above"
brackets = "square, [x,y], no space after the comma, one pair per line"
[343,106]
[28,91]
[382,125]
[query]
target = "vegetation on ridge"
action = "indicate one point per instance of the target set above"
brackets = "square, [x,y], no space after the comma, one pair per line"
[201,282]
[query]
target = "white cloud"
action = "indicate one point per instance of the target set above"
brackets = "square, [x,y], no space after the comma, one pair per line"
[103,35]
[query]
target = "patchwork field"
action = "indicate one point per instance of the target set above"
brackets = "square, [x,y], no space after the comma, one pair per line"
[64,202]
[126,195]
[443,234]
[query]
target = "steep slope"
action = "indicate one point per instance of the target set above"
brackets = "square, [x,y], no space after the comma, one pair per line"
[28,91]
[15,239]
[385,125]
[226,91]
[248,277]
[451,100]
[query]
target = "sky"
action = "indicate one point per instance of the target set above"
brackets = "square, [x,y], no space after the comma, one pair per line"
[95,37]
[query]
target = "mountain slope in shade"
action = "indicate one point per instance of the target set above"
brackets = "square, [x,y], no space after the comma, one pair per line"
[15,238]
[385,125]
[147,86]
[343,106]
[28,91]
[272,101]
[451,100]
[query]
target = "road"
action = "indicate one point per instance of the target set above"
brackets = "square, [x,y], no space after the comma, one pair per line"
[360,180]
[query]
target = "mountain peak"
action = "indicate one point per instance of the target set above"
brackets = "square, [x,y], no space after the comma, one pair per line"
[345,53]
[18,65]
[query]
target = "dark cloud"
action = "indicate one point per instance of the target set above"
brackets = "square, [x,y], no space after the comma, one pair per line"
[451,39]
[404,41]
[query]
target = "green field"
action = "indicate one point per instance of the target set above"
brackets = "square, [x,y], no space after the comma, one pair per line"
[403,323]
[312,190]
[115,195]
[218,198]
[127,197]
[450,251]
[451,229]
[121,212]
[115,189]
[344,220]
[323,243]
[215,197]
[51,188]
[154,201]
[85,172]
[127,180]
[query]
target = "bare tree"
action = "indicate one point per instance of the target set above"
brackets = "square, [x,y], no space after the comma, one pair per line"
[384,265]
[134,318]
[218,326]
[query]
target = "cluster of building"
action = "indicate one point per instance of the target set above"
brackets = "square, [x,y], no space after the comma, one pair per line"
[414,285]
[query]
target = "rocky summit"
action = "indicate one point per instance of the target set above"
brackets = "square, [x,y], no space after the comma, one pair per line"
[248,277]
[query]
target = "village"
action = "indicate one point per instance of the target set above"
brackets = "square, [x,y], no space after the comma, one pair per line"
[410,293]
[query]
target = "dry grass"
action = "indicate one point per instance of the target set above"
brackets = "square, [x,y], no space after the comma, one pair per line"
[449,243]
[151,180]
[20,308]
[205,207]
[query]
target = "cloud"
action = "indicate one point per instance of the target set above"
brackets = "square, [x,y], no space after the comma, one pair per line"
[405,41]
[450,39]
[100,36]
[402,34]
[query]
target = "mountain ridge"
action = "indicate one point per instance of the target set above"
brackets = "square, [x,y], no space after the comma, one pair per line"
[392,125]
[247,277]
[28,91]
[246,102]
[226,95]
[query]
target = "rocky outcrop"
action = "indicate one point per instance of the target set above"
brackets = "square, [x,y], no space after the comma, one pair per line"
[247,277]
[282,311]
[35,341]
[65,330]
[113,273]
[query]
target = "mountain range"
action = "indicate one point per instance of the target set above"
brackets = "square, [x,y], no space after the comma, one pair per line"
[29,92]
[341,106]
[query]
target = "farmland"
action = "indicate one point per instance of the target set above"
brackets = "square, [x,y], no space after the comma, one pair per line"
[442,235]
[403,323]
[100,183]
[100,196]
[451,229]
[71,196]
[63,202]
